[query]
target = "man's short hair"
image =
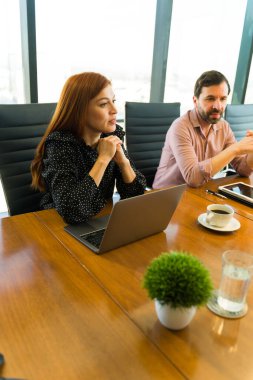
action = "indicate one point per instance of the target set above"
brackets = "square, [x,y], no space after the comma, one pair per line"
[207,79]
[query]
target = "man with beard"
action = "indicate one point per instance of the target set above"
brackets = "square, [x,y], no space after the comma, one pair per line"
[201,143]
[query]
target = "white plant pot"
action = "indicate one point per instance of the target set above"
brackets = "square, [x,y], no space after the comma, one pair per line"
[174,318]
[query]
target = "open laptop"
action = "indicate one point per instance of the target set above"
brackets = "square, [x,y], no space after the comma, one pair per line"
[131,219]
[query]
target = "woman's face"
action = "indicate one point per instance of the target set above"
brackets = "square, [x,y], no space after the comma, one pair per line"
[102,112]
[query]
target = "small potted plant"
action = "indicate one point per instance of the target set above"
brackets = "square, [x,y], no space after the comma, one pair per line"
[179,283]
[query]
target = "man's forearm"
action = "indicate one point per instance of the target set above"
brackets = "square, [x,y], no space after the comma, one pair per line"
[223,158]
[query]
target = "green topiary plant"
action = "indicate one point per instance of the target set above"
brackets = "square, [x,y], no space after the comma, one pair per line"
[178,279]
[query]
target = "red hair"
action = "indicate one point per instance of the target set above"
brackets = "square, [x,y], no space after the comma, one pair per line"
[70,114]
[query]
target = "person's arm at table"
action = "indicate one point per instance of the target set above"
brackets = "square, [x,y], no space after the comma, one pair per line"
[250,155]
[244,146]
[196,172]
[124,165]
[129,181]
[107,148]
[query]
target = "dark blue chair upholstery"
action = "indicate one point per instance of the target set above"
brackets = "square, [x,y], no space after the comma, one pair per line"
[146,126]
[240,118]
[21,129]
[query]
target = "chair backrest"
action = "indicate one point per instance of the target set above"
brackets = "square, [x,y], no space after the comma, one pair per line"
[240,118]
[146,127]
[21,129]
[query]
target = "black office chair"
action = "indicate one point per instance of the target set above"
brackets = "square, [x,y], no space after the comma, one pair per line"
[146,127]
[21,129]
[240,118]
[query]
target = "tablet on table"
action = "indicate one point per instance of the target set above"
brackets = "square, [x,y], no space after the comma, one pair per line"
[239,191]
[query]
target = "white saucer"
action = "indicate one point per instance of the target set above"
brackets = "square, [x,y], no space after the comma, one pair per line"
[233,225]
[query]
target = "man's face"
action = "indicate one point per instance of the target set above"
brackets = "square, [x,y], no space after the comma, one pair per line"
[212,102]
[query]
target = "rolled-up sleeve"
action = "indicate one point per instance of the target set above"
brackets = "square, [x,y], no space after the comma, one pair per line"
[194,172]
[136,187]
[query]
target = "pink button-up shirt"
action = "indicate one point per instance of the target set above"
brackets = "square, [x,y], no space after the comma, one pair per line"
[187,152]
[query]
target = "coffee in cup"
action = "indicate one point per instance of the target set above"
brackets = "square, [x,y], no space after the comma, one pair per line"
[219,215]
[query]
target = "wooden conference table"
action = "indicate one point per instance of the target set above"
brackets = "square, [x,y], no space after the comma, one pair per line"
[67,313]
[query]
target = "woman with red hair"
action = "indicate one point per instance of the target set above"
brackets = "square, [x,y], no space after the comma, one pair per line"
[81,155]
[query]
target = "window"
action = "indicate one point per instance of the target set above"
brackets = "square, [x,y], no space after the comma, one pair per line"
[11,76]
[205,35]
[113,37]
[249,91]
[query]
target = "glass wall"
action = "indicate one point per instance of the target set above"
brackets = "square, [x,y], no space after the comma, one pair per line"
[11,75]
[205,35]
[249,92]
[114,37]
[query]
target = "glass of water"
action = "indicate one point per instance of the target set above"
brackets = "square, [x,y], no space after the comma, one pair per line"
[237,269]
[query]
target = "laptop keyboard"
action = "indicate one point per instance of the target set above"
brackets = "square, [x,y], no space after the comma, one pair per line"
[94,238]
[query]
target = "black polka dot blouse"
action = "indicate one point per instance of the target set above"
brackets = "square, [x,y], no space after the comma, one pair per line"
[70,189]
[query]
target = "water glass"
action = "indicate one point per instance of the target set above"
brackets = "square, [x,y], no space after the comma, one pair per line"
[237,269]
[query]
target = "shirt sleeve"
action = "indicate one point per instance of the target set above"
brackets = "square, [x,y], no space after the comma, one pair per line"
[70,188]
[75,199]
[194,172]
[137,187]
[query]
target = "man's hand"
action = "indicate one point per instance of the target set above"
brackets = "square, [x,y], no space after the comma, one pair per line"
[245,145]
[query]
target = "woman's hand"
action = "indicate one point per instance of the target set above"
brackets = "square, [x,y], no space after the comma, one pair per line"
[123,163]
[107,147]
[110,148]
[120,157]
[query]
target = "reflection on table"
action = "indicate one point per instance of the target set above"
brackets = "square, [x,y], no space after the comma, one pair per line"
[57,322]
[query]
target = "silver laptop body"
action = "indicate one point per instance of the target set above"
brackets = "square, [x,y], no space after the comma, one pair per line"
[131,219]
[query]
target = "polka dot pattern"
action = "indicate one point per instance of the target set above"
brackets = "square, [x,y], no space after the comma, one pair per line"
[70,189]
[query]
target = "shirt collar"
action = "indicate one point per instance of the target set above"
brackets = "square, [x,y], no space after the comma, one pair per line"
[195,121]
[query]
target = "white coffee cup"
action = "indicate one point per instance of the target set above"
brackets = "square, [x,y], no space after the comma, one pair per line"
[219,215]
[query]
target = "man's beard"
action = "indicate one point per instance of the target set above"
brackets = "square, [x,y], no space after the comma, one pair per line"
[207,116]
